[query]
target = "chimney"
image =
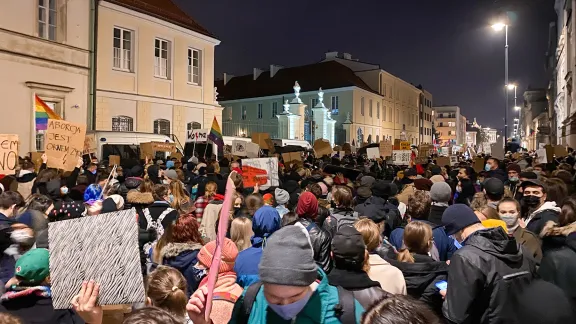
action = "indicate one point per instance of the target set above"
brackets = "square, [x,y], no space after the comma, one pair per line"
[331,55]
[274,69]
[257,73]
[347,56]
[227,77]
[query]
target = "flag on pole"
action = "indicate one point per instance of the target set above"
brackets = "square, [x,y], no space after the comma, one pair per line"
[43,113]
[216,134]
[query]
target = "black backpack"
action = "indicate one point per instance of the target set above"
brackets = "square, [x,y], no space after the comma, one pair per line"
[345,310]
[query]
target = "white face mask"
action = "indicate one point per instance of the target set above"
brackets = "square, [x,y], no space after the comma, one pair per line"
[510,219]
[21,236]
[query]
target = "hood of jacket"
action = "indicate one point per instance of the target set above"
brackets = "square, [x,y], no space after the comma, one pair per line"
[172,250]
[497,243]
[26,176]
[548,205]
[554,235]
[265,222]
[291,186]
[421,273]
[140,198]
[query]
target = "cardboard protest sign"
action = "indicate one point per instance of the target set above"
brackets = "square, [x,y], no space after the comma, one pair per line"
[164,147]
[263,171]
[260,139]
[560,151]
[113,160]
[425,150]
[401,157]
[453,160]
[146,150]
[291,157]
[337,148]
[404,145]
[227,150]
[239,148]
[177,155]
[322,147]
[104,249]
[8,153]
[497,149]
[443,161]
[421,160]
[270,145]
[64,144]
[385,148]
[89,144]
[197,135]
[478,164]
[373,152]
[347,148]
[252,150]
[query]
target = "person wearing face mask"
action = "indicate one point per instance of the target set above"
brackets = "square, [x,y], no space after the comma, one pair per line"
[465,187]
[540,211]
[513,182]
[10,201]
[292,289]
[485,274]
[493,170]
[509,211]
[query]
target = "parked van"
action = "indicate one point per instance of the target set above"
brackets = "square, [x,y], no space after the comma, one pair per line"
[285,142]
[126,144]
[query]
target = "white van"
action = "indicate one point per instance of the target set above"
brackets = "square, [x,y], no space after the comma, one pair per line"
[125,144]
[286,142]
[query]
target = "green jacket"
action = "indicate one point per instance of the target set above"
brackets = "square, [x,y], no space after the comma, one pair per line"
[318,310]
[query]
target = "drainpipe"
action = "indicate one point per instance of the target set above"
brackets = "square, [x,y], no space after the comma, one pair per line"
[92,75]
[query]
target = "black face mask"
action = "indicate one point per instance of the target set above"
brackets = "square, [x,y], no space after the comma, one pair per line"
[531,201]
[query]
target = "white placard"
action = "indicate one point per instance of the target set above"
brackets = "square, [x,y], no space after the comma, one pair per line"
[401,157]
[197,135]
[239,148]
[453,160]
[373,152]
[268,166]
[252,150]
[542,158]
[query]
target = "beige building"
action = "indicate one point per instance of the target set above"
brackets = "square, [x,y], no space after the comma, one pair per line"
[155,69]
[44,51]
[450,124]
[426,117]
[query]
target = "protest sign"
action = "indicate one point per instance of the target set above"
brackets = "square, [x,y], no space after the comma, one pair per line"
[270,145]
[239,148]
[113,160]
[8,153]
[291,157]
[89,144]
[442,161]
[497,149]
[560,151]
[421,160]
[404,146]
[197,135]
[64,144]
[453,160]
[146,150]
[178,155]
[385,148]
[373,152]
[252,150]
[322,147]
[263,171]
[425,150]
[542,156]
[164,147]
[347,148]
[261,140]
[103,249]
[478,164]
[401,157]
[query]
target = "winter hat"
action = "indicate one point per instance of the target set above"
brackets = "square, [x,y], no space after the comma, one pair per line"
[282,196]
[367,181]
[436,170]
[266,221]
[364,192]
[437,178]
[137,171]
[324,188]
[229,254]
[458,217]
[381,189]
[171,174]
[288,259]
[441,192]
[92,194]
[410,173]
[328,181]
[494,186]
[307,205]
[34,266]
[268,199]
[193,160]
[348,248]
[423,184]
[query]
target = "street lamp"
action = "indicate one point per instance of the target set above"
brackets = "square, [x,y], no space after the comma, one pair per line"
[498,27]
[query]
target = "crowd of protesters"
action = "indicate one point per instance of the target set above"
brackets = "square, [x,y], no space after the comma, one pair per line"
[340,240]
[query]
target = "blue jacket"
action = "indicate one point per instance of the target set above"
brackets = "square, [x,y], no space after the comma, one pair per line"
[265,222]
[443,242]
[183,257]
[318,310]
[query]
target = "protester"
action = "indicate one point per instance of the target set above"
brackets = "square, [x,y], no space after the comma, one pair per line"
[320,238]
[166,290]
[399,309]
[282,197]
[408,186]
[241,232]
[344,213]
[509,211]
[541,211]
[440,193]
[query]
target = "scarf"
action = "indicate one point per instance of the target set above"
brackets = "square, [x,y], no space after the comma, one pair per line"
[225,287]
[21,291]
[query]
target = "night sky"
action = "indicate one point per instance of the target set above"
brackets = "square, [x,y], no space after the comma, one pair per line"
[445,45]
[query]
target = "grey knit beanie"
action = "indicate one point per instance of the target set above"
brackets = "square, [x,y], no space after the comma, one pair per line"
[282,196]
[441,192]
[288,259]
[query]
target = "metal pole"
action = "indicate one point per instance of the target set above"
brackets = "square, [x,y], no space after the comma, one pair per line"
[518,127]
[506,89]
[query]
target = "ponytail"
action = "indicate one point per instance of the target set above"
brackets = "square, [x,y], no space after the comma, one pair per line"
[404,255]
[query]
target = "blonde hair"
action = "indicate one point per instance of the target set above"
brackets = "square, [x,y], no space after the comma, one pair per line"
[161,243]
[166,289]
[210,189]
[418,239]
[180,197]
[370,233]
[241,232]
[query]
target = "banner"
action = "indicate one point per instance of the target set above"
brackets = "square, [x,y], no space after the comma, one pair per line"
[401,157]
[197,135]
[64,144]
[8,153]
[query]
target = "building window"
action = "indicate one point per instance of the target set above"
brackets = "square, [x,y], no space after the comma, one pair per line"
[161,61]
[259,111]
[162,126]
[193,66]
[274,109]
[451,124]
[335,105]
[362,106]
[313,102]
[377,110]
[122,124]
[243,112]
[122,49]
[370,109]
[193,125]
[47,19]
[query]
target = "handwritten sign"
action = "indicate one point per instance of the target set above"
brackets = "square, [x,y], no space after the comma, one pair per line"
[322,147]
[89,144]
[385,148]
[373,152]
[263,171]
[64,144]
[425,150]
[239,148]
[401,157]
[113,160]
[197,135]
[8,153]
[453,160]
[261,140]
[404,146]
[291,157]
[163,147]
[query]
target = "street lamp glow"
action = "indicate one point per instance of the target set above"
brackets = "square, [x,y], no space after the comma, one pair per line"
[511,86]
[498,26]
[517,108]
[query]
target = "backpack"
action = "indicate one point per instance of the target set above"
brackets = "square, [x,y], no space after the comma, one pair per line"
[345,309]
[347,219]
[156,225]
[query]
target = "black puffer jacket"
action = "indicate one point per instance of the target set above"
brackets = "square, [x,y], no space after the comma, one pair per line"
[321,241]
[559,261]
[477,291]
[365,290]
[379,210]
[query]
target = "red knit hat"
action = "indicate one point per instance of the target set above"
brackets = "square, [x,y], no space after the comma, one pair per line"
[307,205]
[229,254]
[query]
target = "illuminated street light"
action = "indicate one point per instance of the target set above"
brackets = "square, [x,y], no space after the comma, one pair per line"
[498,26]
[517,108]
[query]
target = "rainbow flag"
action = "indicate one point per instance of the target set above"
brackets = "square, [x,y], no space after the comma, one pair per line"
[43,113]
[216,134]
